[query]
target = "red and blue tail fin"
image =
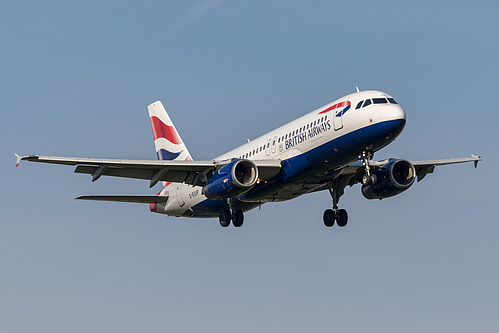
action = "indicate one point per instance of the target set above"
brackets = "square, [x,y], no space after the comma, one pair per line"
[169,145]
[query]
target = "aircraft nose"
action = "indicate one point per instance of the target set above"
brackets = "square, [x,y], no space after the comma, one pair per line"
[392,112]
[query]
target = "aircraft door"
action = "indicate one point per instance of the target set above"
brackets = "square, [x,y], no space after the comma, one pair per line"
[338,115]
[274,144]
[267,147]
[180,200]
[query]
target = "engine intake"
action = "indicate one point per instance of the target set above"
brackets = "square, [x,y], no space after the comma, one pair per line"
[231,180]
[392,178]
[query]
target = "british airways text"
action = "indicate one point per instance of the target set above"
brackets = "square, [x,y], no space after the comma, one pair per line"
[304,136]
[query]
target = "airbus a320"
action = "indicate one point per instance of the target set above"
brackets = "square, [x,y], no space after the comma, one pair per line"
[327,149]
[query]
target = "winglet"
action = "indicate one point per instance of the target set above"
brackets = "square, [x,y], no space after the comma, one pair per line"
[18,159]
[477,159]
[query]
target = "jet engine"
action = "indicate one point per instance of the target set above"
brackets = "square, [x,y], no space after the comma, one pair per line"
[231,180]
[391,179]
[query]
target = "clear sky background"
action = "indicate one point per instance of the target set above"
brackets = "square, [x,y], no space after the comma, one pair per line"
[76,77]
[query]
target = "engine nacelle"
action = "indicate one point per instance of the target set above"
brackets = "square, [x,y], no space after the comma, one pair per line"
[391,179]
[231,180]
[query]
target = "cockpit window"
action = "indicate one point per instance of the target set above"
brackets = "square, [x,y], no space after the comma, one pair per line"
[366,103]
[381,100]
[391,100]
[359,105]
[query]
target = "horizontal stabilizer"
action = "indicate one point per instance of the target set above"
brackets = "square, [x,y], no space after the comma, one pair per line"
[126,198]
[18,159]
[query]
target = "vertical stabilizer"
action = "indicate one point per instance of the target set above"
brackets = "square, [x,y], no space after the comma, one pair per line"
[169,145]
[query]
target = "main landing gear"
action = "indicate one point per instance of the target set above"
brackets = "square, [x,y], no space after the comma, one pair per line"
[231,214]
[337,188]
[339,216]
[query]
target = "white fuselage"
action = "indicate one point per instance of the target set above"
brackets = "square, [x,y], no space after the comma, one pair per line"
[303,135]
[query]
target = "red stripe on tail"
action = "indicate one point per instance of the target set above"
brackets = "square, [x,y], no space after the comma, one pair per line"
[161,130]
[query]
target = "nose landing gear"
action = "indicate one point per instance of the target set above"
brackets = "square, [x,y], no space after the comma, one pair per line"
[368,178]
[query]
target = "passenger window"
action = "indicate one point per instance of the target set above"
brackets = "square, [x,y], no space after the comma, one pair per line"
[391,100]
[359,105]
[366,103]
[381,100]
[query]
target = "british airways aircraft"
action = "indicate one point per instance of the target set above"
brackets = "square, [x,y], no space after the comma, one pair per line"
[325,150]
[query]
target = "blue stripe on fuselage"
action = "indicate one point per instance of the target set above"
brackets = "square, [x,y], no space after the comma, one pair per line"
[344,149]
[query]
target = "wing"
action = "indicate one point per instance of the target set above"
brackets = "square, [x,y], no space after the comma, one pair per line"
[189,172]
[352,173]
[423,167]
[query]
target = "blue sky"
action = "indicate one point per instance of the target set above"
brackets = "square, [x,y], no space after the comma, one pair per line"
[76,80]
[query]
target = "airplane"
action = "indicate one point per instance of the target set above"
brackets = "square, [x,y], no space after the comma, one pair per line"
[327,149]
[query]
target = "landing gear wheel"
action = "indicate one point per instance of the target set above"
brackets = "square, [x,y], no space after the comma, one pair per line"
[341,218]
[224,218]
[329,217]
[238,218]
[369,180]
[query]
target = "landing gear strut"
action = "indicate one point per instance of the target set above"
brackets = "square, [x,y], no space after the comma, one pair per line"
[231,214]
[339,216]
[368,178]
